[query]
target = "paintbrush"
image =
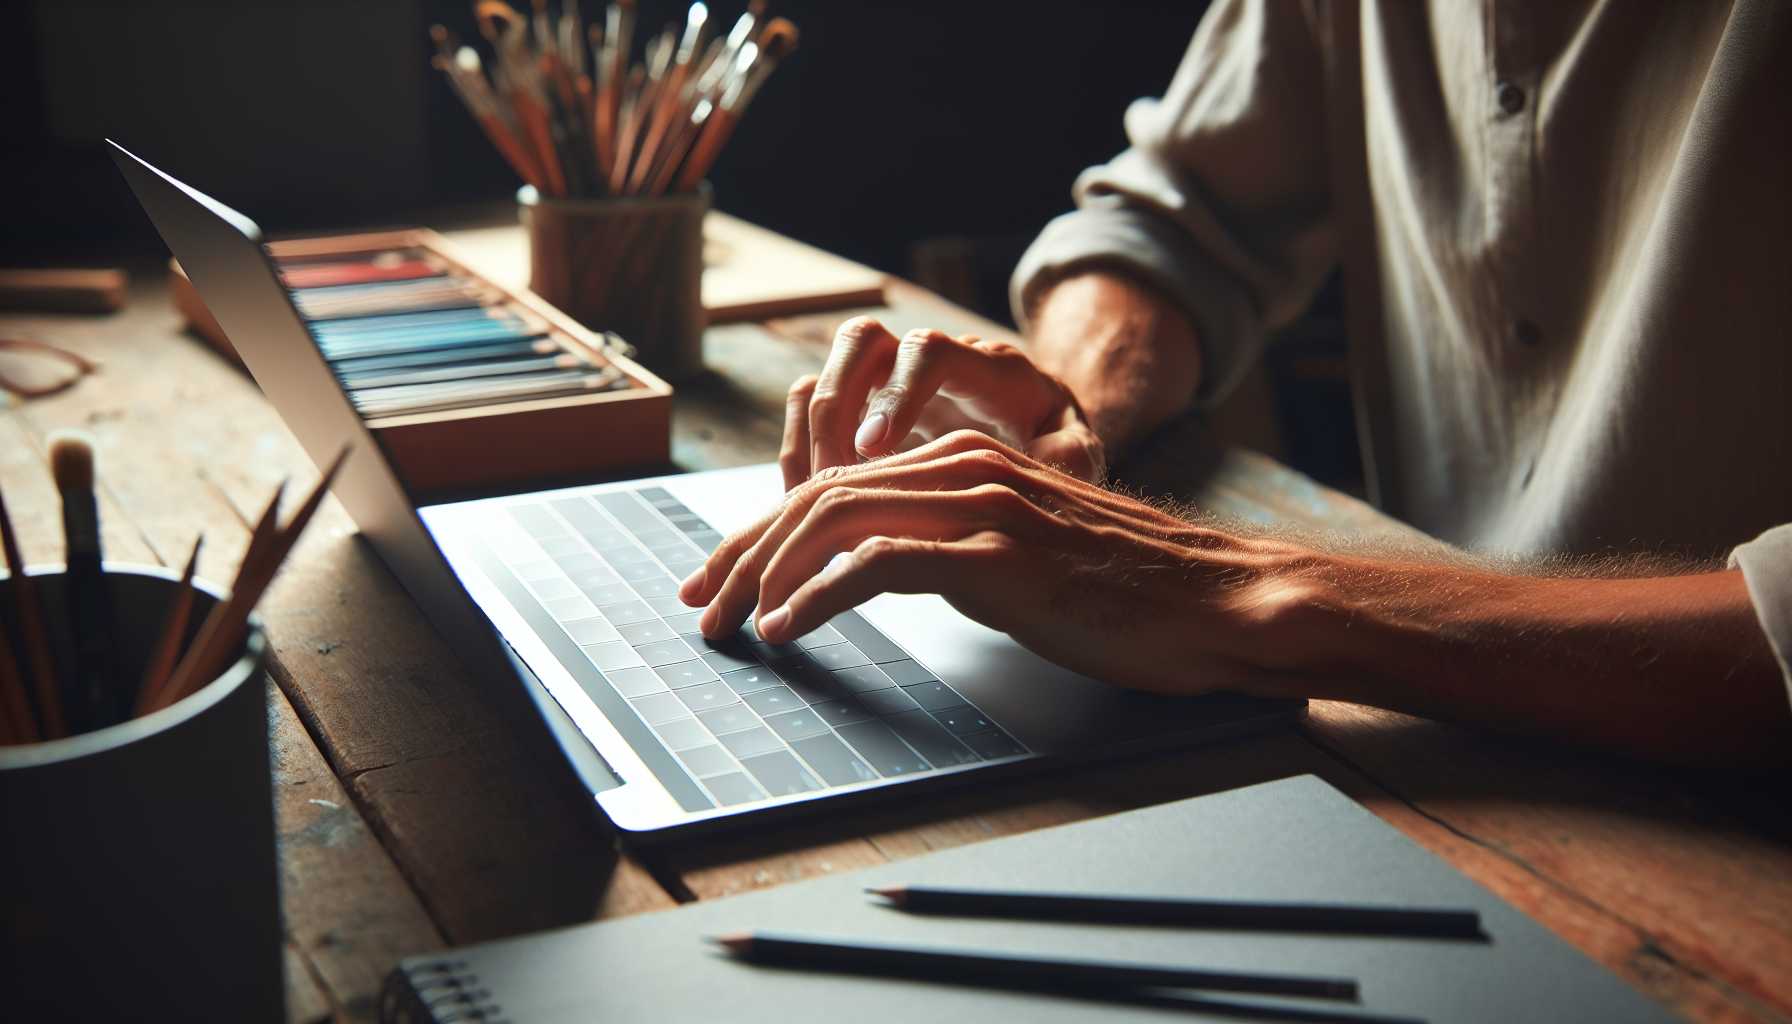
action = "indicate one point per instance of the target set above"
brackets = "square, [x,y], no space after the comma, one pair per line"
[174,629]
[33,640]
[89,697]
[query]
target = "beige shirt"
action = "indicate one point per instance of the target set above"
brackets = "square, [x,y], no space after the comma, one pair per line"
[1564,228]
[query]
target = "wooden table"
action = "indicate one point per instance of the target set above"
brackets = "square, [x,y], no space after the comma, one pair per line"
[409,821]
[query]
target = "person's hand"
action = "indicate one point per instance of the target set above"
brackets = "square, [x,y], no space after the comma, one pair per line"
[1104,584]
[878,395]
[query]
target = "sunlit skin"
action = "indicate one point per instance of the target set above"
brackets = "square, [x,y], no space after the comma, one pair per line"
[978,485]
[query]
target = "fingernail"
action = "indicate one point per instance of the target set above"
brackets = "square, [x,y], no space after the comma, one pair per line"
[772,623]
[872,431]
[693,584]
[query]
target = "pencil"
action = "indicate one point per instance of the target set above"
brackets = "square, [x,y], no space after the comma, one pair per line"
[34,640]
[998,970]
[1253,916]
[174,630]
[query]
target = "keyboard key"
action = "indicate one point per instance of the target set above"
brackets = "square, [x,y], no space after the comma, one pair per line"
[677,551]
[679,675]
[613,655]
[561,546]
[635,682]
[810,683]
[728,661]
[934,695]
[660,585]
[906,672]
[682,733]
[648,631]
[554,588]
[863,678]
[733,718]
[584,561]
[608,593]
[659,708]
[709,760]
[750,742]
[708,695]
[684,568]
[535,569]
[993,744]
[686,522]
[960,721]
[663,652]
[838,656]
[842,712]
[774,700]
[882,749]
[625,612]
[639,571]
[657,537]
[685,619]
[781,773]
[656,496]
[708,540]
[889,701]
[795,725]
[534,517]
[820,637]
[566,609]
[627,555]
[593,630]
[930,739]
[733,788]
[831,760]
[664,606]
[628,510]
[750,680]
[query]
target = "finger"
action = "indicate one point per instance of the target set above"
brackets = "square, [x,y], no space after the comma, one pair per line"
[859,360]
[1074,450]
[793,454]
[729,579]
[999,378]
[961,570]
[846,517]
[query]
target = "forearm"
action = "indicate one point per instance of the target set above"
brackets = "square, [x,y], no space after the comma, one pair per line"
[1130,356]
[1673,667]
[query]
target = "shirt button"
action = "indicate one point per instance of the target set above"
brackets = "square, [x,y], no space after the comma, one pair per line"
[1511,97]
[1528,333]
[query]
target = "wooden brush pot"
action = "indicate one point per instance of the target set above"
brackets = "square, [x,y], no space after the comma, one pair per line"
[631,266]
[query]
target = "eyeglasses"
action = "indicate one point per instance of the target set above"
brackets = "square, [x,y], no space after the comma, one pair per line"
[34,369]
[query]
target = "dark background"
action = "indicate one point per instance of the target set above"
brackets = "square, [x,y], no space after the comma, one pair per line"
[891,124]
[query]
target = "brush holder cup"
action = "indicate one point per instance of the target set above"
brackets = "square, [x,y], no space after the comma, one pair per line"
[137,878]
[631,266]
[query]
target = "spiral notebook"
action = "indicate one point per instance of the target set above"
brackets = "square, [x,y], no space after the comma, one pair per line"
[1293,840]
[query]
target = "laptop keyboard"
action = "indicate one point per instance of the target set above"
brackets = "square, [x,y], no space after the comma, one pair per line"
[748,720]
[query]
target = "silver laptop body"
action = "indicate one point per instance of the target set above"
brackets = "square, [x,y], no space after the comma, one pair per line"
[565,597]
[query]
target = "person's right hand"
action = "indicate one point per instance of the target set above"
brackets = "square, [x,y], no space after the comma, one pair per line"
[878,395]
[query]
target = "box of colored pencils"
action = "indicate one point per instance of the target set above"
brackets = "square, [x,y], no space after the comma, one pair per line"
[467,383]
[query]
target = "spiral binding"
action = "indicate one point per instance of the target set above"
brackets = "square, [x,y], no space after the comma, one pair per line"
[442,991]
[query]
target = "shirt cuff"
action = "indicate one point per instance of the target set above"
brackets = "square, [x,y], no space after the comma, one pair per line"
[1107,235]
[1766,564]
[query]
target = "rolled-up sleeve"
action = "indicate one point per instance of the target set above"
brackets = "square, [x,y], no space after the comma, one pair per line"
[1766,564]
[1221,200]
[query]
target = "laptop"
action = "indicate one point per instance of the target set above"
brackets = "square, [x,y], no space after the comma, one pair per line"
[567,598]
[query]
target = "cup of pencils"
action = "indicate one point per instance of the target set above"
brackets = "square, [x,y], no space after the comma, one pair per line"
[613,154]
[138,878]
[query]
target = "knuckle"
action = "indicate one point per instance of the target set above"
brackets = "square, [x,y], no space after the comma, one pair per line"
[988,462]
[824,479]
[856,330]
[999,497]
[838,500]
[803,387]
[875,550]
[966,439]
[923,342]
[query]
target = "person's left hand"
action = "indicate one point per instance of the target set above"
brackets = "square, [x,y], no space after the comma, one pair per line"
[1101,583]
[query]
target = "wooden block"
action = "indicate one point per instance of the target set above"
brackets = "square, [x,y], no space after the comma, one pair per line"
[65,290]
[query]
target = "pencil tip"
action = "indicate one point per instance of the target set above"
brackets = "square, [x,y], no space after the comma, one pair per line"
[734,942]
[893,893]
